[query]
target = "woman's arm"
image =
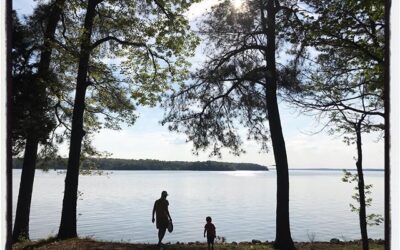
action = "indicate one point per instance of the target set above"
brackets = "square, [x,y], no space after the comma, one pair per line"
[169,216]
[154,211]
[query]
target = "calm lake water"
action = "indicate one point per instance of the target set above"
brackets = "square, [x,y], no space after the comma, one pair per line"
[242,204]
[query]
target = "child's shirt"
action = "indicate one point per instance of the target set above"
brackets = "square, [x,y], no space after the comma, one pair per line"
[210,228]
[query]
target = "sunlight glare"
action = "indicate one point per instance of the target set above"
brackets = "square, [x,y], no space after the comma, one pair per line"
[237,4]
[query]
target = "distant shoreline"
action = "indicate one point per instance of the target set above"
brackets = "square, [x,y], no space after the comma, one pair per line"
[115,164]
[336,169]
[141,165]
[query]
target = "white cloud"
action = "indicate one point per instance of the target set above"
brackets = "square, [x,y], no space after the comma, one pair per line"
[147,139]
[324,151]
[304,151]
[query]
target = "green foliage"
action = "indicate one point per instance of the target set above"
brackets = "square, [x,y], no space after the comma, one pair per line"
[23,239]
[121,76]
[138,50]
[372,219]
[343,63]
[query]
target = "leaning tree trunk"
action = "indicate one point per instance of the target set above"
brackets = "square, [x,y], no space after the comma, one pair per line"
[68,218]
[283,239]
[21,225]
[361,192]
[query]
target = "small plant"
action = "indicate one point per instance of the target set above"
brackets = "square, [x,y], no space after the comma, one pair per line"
[343,238]
[372,219]
[23,239]
[220,239]
[311,236]
[311,239]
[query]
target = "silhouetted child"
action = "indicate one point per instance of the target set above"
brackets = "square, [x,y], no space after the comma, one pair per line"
[211,234]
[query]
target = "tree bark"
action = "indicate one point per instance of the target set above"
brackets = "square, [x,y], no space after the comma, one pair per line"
[68,218]
[9,109]
[361,191]
[21,225]
[283,238]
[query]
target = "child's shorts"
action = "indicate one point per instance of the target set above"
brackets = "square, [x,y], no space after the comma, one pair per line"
[210,239]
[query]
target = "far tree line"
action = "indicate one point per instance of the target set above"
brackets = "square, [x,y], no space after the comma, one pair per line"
[96,164]
[81,66]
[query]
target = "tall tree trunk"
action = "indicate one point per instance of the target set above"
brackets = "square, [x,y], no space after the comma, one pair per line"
[283,238]
[68,218]
[362,212]
[21,225]
[7,214]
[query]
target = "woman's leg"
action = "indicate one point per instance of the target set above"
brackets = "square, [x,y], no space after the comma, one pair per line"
[161,233]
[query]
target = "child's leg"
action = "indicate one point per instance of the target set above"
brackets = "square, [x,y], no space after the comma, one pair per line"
[209,246]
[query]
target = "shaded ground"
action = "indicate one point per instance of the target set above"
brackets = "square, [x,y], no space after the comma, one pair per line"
[52,244]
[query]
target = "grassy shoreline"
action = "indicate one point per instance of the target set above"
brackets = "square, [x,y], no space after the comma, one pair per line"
[87,243]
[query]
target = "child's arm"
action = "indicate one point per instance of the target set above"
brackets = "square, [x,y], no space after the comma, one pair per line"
[205,230]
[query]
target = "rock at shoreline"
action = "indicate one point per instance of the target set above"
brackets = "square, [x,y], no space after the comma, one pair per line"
[334,241]
[245,243]
[256,241]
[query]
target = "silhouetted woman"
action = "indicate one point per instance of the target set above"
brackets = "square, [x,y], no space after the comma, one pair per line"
[162,215]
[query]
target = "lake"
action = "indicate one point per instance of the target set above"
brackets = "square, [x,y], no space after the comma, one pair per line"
[117,206]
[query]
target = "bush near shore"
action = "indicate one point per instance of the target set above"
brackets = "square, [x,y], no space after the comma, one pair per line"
[86,243]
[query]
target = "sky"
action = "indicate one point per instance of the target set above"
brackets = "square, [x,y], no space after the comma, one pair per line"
[147,139]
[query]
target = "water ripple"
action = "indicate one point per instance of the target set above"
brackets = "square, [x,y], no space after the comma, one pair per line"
[242,205]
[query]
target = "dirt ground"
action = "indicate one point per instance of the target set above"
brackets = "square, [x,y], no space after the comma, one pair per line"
[83,244]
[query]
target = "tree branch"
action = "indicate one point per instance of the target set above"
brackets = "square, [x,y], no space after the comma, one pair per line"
[112,38]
